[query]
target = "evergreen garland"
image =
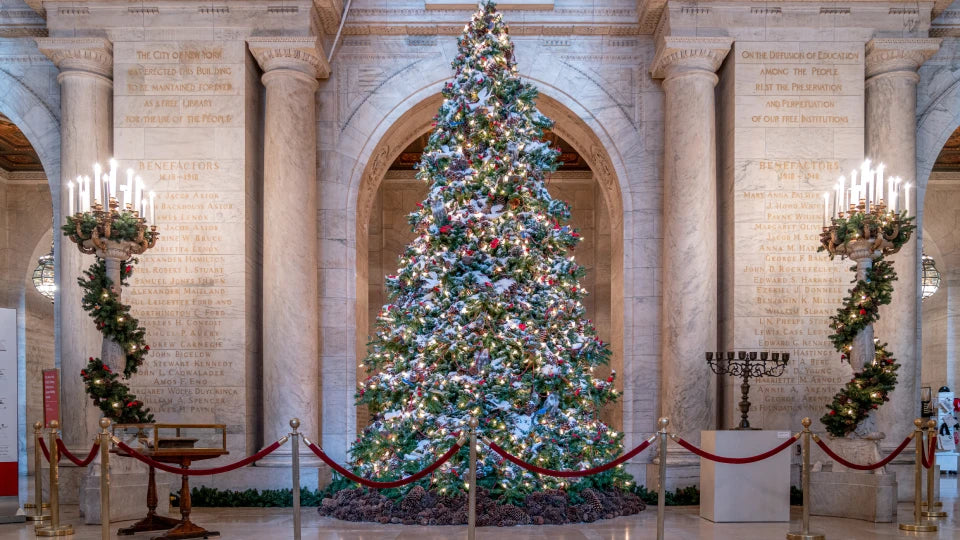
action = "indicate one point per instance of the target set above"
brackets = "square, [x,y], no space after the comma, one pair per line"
[870,388]
[113,320]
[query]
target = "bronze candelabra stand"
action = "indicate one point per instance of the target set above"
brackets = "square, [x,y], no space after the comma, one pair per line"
[747,365]
[876,234]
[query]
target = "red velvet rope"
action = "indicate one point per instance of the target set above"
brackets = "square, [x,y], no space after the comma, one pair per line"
[73,458]
[737,461]
[384,485]
[568,474]
[43,448]
[198,472]
[858,467]
[928,457]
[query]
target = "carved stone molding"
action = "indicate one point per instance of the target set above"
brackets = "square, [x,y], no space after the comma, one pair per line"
[677,54]
[303,54]
[888,55]
[91,54]
[329,13]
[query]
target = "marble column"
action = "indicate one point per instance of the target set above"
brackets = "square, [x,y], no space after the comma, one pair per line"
[891,137]
[86,127]
[688,67]
[291,374]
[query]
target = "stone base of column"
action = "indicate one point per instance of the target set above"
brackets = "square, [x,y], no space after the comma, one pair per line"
[128,487]
[283,457]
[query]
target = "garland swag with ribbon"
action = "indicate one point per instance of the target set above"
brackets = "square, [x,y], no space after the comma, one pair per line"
[869,388]
[114,321]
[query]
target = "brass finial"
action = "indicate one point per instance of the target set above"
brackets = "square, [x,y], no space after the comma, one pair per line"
[663,422]
[918,422]
[473,423]
[37,426]
[931,424]
[295,423]
[54,424]
[104,423]
[806,422]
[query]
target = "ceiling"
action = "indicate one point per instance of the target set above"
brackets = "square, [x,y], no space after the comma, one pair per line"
[572,161]
[949,158]
[16,153]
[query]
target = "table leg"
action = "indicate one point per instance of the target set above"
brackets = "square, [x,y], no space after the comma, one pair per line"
[153,521]
[186,528]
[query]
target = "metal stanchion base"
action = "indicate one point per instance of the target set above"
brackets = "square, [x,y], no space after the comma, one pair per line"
[934,514]
[63,530]
[804,536]
[45,517]
[936,504]
[29,506]
[918,527]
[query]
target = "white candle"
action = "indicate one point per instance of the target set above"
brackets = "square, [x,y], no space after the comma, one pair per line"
[843,194]
[106,190]
[70,198]
[826,208]
[854,188]
[880,186]
[127,201]
[113,178]
[138,191]
[836,199]
[869,184]
[906,198]
[153,217]
[895,197]
[890,193]
[96,183]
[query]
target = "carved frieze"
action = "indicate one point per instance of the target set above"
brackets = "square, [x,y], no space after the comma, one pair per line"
[79,54]
[300,53]
[887,55]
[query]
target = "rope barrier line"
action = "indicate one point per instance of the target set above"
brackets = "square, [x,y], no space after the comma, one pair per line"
[857,466]
[928,459]
[43,448]
[199,472]
[389,484]
[735,461]
[79,463]
[569,474]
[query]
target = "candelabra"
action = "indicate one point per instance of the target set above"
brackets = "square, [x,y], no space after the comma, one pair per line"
[863,235]
[747,365]
[114,234]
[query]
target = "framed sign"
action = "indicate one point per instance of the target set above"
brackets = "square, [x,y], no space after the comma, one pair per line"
[51,396]
[8,404]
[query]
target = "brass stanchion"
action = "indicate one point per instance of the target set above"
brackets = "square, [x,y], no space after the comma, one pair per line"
[295,449]
[805,533]
[472,482]
[104,479]
[38,506]
[54,529]
[662,488]
[931,503]
[918,525]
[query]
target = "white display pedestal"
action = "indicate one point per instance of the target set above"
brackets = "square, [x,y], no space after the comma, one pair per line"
[750,492]
[948,461]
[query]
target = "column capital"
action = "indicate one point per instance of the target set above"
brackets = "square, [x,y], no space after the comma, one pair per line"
[90,54]
[679,54]
[889,55]
[298,53]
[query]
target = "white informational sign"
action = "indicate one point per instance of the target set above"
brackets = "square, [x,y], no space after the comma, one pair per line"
[8,404]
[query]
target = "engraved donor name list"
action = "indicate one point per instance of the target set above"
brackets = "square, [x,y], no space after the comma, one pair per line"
[180,121]
[798,125]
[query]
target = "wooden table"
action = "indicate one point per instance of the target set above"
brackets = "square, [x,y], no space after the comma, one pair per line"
[182,528]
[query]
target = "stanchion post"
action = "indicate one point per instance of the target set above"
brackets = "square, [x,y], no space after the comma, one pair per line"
[105,479]
[932,504]
[37,506]
[295,452]
[662,487]
[805,533]
[54,529]
[918,525]
[472,480]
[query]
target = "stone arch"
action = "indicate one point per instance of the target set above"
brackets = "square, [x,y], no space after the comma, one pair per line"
[386,122]
[37,122]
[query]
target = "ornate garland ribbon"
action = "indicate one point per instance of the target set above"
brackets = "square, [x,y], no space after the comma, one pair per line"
[869,388]
[114,321]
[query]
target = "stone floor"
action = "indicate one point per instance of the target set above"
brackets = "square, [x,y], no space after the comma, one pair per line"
[682,523]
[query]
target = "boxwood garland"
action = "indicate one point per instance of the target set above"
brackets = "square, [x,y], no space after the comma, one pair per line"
[114,321]
[870,388]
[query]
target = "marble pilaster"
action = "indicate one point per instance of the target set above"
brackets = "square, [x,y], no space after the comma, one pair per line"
[291,371]
[86,98]
[891,127]
[687,66]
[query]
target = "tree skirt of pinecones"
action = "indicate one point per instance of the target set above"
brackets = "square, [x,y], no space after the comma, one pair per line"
[422,507]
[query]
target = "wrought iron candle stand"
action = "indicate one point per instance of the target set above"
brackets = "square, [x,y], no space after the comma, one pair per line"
[747,365]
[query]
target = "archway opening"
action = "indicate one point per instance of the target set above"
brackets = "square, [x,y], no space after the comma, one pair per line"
[26,217]
[389,192]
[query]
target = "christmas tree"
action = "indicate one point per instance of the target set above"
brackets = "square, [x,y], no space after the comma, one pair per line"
[485,317]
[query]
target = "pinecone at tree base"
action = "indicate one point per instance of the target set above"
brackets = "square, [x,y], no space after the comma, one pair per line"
[422,507]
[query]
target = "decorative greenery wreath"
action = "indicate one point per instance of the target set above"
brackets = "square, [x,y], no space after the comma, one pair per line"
[870,388]
[114,321]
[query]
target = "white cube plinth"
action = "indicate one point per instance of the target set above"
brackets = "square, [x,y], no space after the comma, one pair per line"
[757,491]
